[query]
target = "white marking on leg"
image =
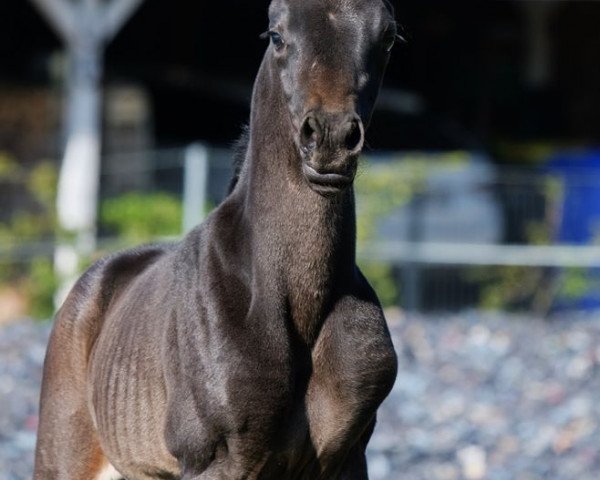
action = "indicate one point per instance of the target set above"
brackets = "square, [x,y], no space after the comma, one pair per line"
[109,473]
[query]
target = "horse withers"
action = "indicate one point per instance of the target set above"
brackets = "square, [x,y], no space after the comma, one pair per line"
[254,348]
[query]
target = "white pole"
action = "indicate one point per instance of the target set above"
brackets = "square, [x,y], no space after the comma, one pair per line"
[85,26]
[80,172]
[60,15]
[116,15]
[195,186]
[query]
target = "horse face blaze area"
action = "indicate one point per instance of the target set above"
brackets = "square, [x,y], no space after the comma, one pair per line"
[330,57]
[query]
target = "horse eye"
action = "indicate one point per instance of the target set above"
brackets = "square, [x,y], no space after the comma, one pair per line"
[277,40]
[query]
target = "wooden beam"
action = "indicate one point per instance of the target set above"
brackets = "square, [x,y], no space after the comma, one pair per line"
[61,15]
[116,14]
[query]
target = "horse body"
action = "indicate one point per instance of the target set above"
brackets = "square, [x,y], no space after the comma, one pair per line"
[254,348]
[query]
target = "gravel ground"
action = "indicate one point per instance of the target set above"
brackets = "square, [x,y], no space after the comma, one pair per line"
[477,397]
[22,349]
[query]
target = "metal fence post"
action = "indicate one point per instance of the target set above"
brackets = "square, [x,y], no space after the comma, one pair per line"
[195,186]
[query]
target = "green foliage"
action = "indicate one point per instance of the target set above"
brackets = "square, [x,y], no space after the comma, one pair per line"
[134,218]
[9,169]
[381,189]
[381,278]
[576,283]
[512,288]
[40,286]
[137,217]
[517,288]
[42,183]
[34,224]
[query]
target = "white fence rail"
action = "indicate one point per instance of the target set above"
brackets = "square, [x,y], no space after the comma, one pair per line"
[446,217]
[400,253]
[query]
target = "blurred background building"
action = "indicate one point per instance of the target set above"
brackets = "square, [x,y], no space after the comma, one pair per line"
[489,121]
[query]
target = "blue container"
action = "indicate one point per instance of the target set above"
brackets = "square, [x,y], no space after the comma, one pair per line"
[580,219]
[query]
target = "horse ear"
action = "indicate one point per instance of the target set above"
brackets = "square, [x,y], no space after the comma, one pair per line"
[401,36]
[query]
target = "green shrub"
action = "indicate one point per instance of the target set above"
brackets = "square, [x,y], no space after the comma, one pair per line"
[522,287]
[34,224]
[9,169]
[40,286]
[137,217]
[381,189]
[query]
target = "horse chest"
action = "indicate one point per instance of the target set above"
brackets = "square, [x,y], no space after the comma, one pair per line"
[271,407]
[353,366]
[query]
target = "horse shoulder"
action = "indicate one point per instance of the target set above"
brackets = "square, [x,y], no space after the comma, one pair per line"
[357,332]
[81,316]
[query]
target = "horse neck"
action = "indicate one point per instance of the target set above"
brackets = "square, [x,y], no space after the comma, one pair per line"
[306,242]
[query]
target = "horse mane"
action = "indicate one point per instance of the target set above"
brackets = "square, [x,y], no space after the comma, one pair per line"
[240,147]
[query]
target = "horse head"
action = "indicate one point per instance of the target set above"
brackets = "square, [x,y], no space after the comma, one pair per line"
[330,57]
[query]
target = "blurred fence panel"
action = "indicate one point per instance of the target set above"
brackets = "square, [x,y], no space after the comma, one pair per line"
[436,232]
[468,234]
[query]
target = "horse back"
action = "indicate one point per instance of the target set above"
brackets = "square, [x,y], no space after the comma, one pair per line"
[81,317]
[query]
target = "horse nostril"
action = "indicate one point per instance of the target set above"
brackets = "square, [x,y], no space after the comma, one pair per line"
[354,136]
[310,134]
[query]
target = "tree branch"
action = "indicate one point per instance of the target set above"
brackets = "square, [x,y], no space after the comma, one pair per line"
[61,16]
[116,15]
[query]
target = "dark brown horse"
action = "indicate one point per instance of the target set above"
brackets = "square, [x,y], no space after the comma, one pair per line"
[255,348]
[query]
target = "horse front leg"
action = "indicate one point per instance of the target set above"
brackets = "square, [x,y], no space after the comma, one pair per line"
[235,462]
[355,466]
[350,464]
[223,470]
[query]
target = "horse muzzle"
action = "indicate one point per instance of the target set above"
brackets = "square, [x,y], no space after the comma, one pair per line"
[330,144]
